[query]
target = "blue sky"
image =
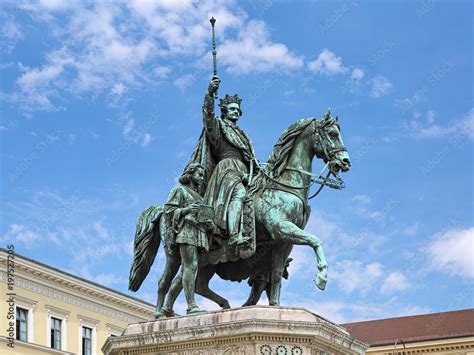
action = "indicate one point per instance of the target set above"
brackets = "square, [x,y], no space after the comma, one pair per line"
[101,108]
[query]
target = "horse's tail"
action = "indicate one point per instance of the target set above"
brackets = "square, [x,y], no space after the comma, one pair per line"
[145,246]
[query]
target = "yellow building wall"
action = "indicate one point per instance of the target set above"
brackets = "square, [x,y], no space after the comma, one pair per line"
[40,323]
[453,346]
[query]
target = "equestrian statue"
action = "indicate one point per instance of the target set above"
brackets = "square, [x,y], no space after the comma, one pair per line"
[233,216]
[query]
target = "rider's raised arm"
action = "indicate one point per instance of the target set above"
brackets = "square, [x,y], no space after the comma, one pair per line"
[211,124]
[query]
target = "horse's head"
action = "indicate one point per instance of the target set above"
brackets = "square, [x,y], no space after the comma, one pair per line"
[328,144]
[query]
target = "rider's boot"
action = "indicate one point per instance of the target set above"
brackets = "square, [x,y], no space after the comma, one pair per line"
[234,215]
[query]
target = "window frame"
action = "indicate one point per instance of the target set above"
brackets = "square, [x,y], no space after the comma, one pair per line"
[91,324]
[29,306]
[18,314]
[63,316]
[86,330]
[53,331]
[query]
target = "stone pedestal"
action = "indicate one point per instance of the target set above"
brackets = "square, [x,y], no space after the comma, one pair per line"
[250,330]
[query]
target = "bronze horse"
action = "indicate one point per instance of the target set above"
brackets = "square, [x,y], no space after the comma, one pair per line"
[280,195]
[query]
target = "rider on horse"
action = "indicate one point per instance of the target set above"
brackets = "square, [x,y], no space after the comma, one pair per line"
[227,153]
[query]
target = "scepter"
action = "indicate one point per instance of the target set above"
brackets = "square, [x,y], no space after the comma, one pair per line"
[214,52]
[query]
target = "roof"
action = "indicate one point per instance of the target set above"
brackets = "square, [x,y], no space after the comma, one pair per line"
[422,327]
[80,278]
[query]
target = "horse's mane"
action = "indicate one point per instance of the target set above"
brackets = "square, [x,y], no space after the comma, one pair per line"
[278,160]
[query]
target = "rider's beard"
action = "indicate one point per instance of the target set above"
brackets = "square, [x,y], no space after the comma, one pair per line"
[233,118]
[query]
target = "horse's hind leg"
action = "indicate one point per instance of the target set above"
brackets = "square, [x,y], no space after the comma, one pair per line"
[258,287]
[280,253]
[204,275]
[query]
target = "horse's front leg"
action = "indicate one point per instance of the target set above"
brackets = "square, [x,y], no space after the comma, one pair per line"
[280,253]
[290,233]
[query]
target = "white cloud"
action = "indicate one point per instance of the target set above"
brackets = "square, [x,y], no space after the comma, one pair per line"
[380,86]
[146,139]
[162,72]
[184,81]
[128,127]
[357,74]
[304,262]
[430,116]
[362,199]
[393,283]
[119,89]
[351,275]
[109,280]
[453,252]
[11,31]
[430,130]
[116,48]
[327,63]
[11,34]
[100,231]
[411,230]
[253,51]
[20,233]
[56,5]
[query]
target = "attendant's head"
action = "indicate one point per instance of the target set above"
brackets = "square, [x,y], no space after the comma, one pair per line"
[194,174]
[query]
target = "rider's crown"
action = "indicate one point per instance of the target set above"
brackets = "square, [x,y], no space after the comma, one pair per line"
[230,100]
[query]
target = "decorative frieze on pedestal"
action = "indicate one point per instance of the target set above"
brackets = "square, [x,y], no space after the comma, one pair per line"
[251,330]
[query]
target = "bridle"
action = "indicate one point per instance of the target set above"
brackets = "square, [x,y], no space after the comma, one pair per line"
[329,155]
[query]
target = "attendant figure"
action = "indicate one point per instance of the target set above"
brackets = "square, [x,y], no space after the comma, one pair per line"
[181,208]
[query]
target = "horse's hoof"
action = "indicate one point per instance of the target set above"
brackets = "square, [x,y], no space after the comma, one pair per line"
[159,315]
[321,282]
[226,306]
[165,312]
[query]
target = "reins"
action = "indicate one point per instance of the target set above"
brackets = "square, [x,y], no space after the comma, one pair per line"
[335,183]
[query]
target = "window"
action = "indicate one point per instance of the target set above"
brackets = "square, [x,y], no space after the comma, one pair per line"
[86,341]
[56,333]
[56,327]
[87,332]
[21,324]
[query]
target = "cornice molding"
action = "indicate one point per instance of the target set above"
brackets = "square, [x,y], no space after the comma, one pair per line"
[25,301]
[57,311]
[85,319]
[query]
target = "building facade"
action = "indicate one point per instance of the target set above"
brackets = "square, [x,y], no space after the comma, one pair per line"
[445,333]
[48,311]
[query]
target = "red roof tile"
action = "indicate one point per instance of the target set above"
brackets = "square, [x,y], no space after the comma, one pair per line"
[414,328]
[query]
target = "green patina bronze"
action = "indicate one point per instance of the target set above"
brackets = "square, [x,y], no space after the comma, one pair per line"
[232,216]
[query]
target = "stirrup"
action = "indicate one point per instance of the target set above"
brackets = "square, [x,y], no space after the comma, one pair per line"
[239,241]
